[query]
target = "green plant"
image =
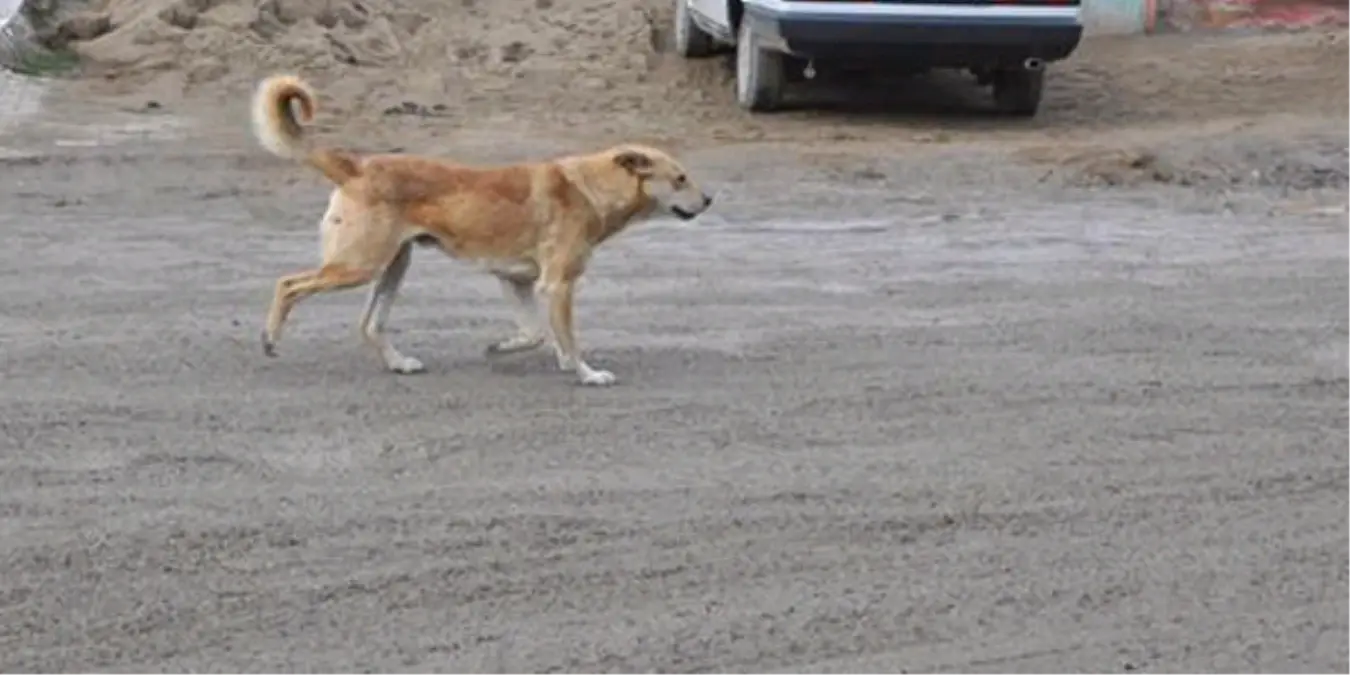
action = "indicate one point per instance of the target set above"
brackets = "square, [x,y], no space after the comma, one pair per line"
[45,62]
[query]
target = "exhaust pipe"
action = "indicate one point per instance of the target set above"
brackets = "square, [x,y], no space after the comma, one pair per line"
[1033,63]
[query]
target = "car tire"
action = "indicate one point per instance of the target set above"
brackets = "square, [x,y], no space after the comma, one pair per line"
[759,73]
[1017,91]
[691,42]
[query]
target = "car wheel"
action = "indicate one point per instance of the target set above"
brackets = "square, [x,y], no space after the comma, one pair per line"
[759,73]
[1017,91]
[690,40]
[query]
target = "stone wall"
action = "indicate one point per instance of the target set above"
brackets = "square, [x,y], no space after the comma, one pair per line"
[34,33]
[1235,14]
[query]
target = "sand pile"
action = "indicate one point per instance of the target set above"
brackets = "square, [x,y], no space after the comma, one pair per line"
[570,55]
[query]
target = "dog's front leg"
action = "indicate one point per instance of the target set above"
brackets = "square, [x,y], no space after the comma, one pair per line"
[560,318]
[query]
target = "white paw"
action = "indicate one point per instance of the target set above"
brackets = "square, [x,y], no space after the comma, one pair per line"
[598,378]
[406,365]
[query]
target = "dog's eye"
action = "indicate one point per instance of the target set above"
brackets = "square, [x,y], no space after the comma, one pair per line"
[681,180]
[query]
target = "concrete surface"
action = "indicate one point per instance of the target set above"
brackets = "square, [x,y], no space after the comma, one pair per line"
[923,409]
[1118,17]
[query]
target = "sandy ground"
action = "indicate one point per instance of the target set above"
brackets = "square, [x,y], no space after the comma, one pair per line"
[936,393]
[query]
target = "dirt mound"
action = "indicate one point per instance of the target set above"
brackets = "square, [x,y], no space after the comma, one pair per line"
[422,49]
[1208,162]
[592,70]
[1103,166]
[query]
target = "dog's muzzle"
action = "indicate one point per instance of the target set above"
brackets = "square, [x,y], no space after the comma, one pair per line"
[690,215]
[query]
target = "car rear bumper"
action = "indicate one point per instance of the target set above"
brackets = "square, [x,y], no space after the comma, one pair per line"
[934,35]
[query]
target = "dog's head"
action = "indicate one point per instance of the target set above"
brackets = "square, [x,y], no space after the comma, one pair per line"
[663,181]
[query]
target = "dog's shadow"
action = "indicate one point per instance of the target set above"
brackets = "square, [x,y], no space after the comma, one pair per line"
[634,366]
[532,364]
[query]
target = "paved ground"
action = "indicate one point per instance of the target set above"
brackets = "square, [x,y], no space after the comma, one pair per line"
[957,408]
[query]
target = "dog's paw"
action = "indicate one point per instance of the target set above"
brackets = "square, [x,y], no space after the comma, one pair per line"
[406,365]
[516,343]
[598,378]
[269,348]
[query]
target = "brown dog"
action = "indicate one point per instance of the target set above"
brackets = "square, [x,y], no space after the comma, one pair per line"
[533,226]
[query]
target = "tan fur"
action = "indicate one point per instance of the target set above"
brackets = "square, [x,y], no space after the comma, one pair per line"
[532,225]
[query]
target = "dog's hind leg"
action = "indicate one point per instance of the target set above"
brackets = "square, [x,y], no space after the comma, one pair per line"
[376,314]
[519,293]
[293,288]
[356,243]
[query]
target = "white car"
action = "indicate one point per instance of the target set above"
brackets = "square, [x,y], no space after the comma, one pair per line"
[1004,43]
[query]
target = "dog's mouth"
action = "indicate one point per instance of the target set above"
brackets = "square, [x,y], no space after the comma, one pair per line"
[683,214]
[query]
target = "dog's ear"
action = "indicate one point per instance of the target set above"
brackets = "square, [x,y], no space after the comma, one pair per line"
[634,162]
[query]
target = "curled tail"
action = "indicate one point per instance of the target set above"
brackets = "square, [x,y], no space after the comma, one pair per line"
[279,130]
